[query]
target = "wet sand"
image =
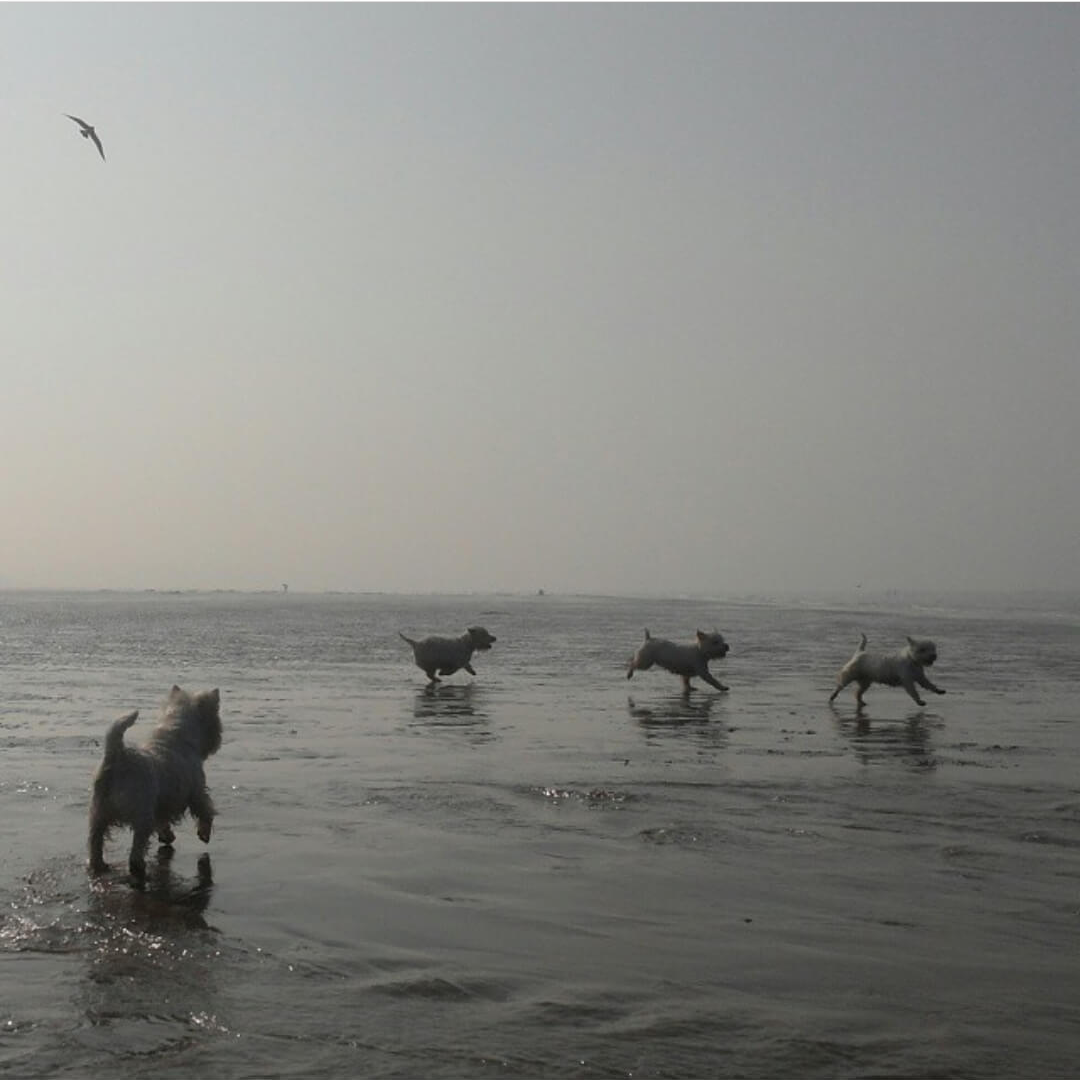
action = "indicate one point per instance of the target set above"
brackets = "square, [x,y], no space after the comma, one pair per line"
[548,870]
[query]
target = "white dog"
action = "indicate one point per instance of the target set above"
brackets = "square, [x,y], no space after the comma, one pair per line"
[903,668]
[151,787]
[684,660]
[443,656]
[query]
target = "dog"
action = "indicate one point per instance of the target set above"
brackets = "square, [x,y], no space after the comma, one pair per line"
[151,787]
[684,660]
[904,668]
[437,656]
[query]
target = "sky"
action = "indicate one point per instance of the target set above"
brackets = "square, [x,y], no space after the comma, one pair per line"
[642,299]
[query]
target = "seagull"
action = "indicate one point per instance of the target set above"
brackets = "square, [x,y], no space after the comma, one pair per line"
[87,131]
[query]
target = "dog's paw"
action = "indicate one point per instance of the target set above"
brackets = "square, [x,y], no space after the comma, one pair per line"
[939,691]
[203,831]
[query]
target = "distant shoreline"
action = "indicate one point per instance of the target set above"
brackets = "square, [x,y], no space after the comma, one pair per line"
[862,599]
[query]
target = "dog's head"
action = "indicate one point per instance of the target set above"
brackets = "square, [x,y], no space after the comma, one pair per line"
[480,639]
[712,646]
[203,713]
[922,651]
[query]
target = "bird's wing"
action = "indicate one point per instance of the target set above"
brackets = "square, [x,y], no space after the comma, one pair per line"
[97,143]
[77,120]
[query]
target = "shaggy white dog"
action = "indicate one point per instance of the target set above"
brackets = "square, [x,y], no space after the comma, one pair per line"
[904,668]
[153,786]
[684,660]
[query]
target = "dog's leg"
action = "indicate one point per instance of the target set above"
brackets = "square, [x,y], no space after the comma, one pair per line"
[98,830]
[707,676]
[908,684]
[841,681]
[922,680]
[686,687]
[859,703]
[469,668]
[202,810]
[140,841]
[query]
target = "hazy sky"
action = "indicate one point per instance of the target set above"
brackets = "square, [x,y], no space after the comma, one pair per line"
[604,298]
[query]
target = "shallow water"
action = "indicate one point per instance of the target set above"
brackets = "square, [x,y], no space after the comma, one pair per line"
[548,870]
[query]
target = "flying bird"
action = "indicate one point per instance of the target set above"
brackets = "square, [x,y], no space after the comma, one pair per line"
[87,131]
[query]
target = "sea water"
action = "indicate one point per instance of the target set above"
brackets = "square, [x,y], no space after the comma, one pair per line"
[548,870]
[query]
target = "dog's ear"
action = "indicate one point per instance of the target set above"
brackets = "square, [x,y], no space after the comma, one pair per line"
[175,690]
[910,641]
[701,636]
[215,696]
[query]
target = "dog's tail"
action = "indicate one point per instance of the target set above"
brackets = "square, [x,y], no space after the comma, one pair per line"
[114,741]
[646,633]
[407,640]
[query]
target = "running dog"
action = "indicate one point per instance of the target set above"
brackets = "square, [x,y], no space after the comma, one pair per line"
[437,656]
[684,660]
[904,668]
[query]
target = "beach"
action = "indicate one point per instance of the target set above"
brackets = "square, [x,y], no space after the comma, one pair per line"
[548,869]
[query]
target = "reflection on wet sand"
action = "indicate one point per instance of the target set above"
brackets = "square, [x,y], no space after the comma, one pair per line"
[166,897]
[57,913]
[908,740]
[138,969]
[444,701]
[443,706]
[678,709]
[681,713]
[151,967]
